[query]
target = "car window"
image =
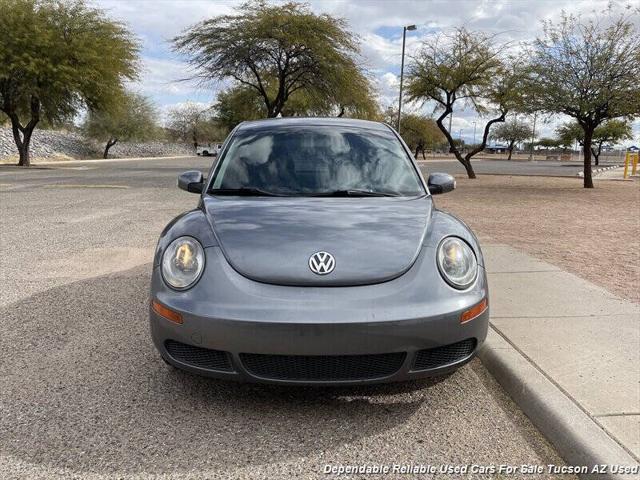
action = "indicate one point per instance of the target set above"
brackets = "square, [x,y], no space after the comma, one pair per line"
[317,159]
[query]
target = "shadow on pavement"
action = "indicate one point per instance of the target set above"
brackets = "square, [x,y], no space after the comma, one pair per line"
[84,389]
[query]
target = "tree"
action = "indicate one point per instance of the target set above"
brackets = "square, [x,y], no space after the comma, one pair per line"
[195,123]
[548,143]
[610,132]
[353,97]
[512,132]
[588,71]
[276,51]
[57,57]
[238,104]
[418,131]
[465,67]
[133,117]
[568,134]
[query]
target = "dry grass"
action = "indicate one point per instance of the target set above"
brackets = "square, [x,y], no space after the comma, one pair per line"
[592,233]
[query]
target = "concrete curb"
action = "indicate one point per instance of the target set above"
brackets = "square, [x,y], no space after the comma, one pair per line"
[579,439]
[596,171]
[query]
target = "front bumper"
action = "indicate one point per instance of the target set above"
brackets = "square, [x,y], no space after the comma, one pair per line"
[392,322]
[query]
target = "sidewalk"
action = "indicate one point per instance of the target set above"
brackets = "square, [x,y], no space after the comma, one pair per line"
[568,352]
[598,171]
[616,174]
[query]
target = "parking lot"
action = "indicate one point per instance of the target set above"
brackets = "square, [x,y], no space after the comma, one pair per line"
[85,394]
[505,167]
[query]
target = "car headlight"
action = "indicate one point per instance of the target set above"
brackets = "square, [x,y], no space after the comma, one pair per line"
[182,263]
[457,262]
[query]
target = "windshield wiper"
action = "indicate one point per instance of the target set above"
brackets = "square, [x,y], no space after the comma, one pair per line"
[245,192]
[355,193]
[256,192]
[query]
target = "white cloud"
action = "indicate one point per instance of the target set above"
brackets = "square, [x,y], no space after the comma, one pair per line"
[161,76]
[387,88]
[379,53]
[163,19]
[377,23]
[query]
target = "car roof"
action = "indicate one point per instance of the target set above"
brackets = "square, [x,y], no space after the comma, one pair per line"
[311,121]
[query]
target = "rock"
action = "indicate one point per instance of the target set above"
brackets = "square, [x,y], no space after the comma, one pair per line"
[60,144]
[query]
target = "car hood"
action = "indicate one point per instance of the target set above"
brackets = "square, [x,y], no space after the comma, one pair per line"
[270,240]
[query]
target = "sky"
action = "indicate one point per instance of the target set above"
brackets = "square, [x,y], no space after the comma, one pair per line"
[377,23]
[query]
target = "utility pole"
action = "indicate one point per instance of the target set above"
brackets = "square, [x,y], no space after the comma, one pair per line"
[533,135]
[404,39]
[579,151]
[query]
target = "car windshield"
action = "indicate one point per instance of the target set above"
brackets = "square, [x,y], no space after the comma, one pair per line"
[316,160]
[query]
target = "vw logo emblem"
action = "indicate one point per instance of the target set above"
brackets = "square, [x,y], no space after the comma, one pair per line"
[322,263]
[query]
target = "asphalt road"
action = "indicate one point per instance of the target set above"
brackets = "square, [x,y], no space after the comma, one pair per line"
[84,394]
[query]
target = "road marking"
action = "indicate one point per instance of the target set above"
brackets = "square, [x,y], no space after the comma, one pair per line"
[81,167]
[437,160]
[86,186]
[108,160]
[446,160]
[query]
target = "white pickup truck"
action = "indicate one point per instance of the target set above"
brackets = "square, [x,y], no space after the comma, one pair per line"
[209,149]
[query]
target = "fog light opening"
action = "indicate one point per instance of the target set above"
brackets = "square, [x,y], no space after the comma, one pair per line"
[165,312]
[474,311]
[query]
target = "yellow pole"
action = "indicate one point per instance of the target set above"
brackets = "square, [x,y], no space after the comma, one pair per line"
[626,165]
[634,169]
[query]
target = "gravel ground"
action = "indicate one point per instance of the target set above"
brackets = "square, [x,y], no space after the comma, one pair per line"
[85,395]
[594,233]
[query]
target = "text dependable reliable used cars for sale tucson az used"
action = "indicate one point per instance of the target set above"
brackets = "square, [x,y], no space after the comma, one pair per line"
[316,256]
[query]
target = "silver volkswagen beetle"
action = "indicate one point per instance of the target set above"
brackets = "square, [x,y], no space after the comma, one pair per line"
[316,256]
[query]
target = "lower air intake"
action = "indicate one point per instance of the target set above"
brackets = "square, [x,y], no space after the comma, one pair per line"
[445,355]
[198,356]
[323,367]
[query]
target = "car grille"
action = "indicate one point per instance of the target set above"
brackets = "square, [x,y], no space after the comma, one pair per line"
[198,356]
[323,367]
[442,356]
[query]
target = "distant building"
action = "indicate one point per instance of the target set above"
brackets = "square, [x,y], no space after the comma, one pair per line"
[633,148]
[496,148]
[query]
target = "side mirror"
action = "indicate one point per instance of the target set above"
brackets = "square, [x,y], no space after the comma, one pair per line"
[441,183]
[191,181]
